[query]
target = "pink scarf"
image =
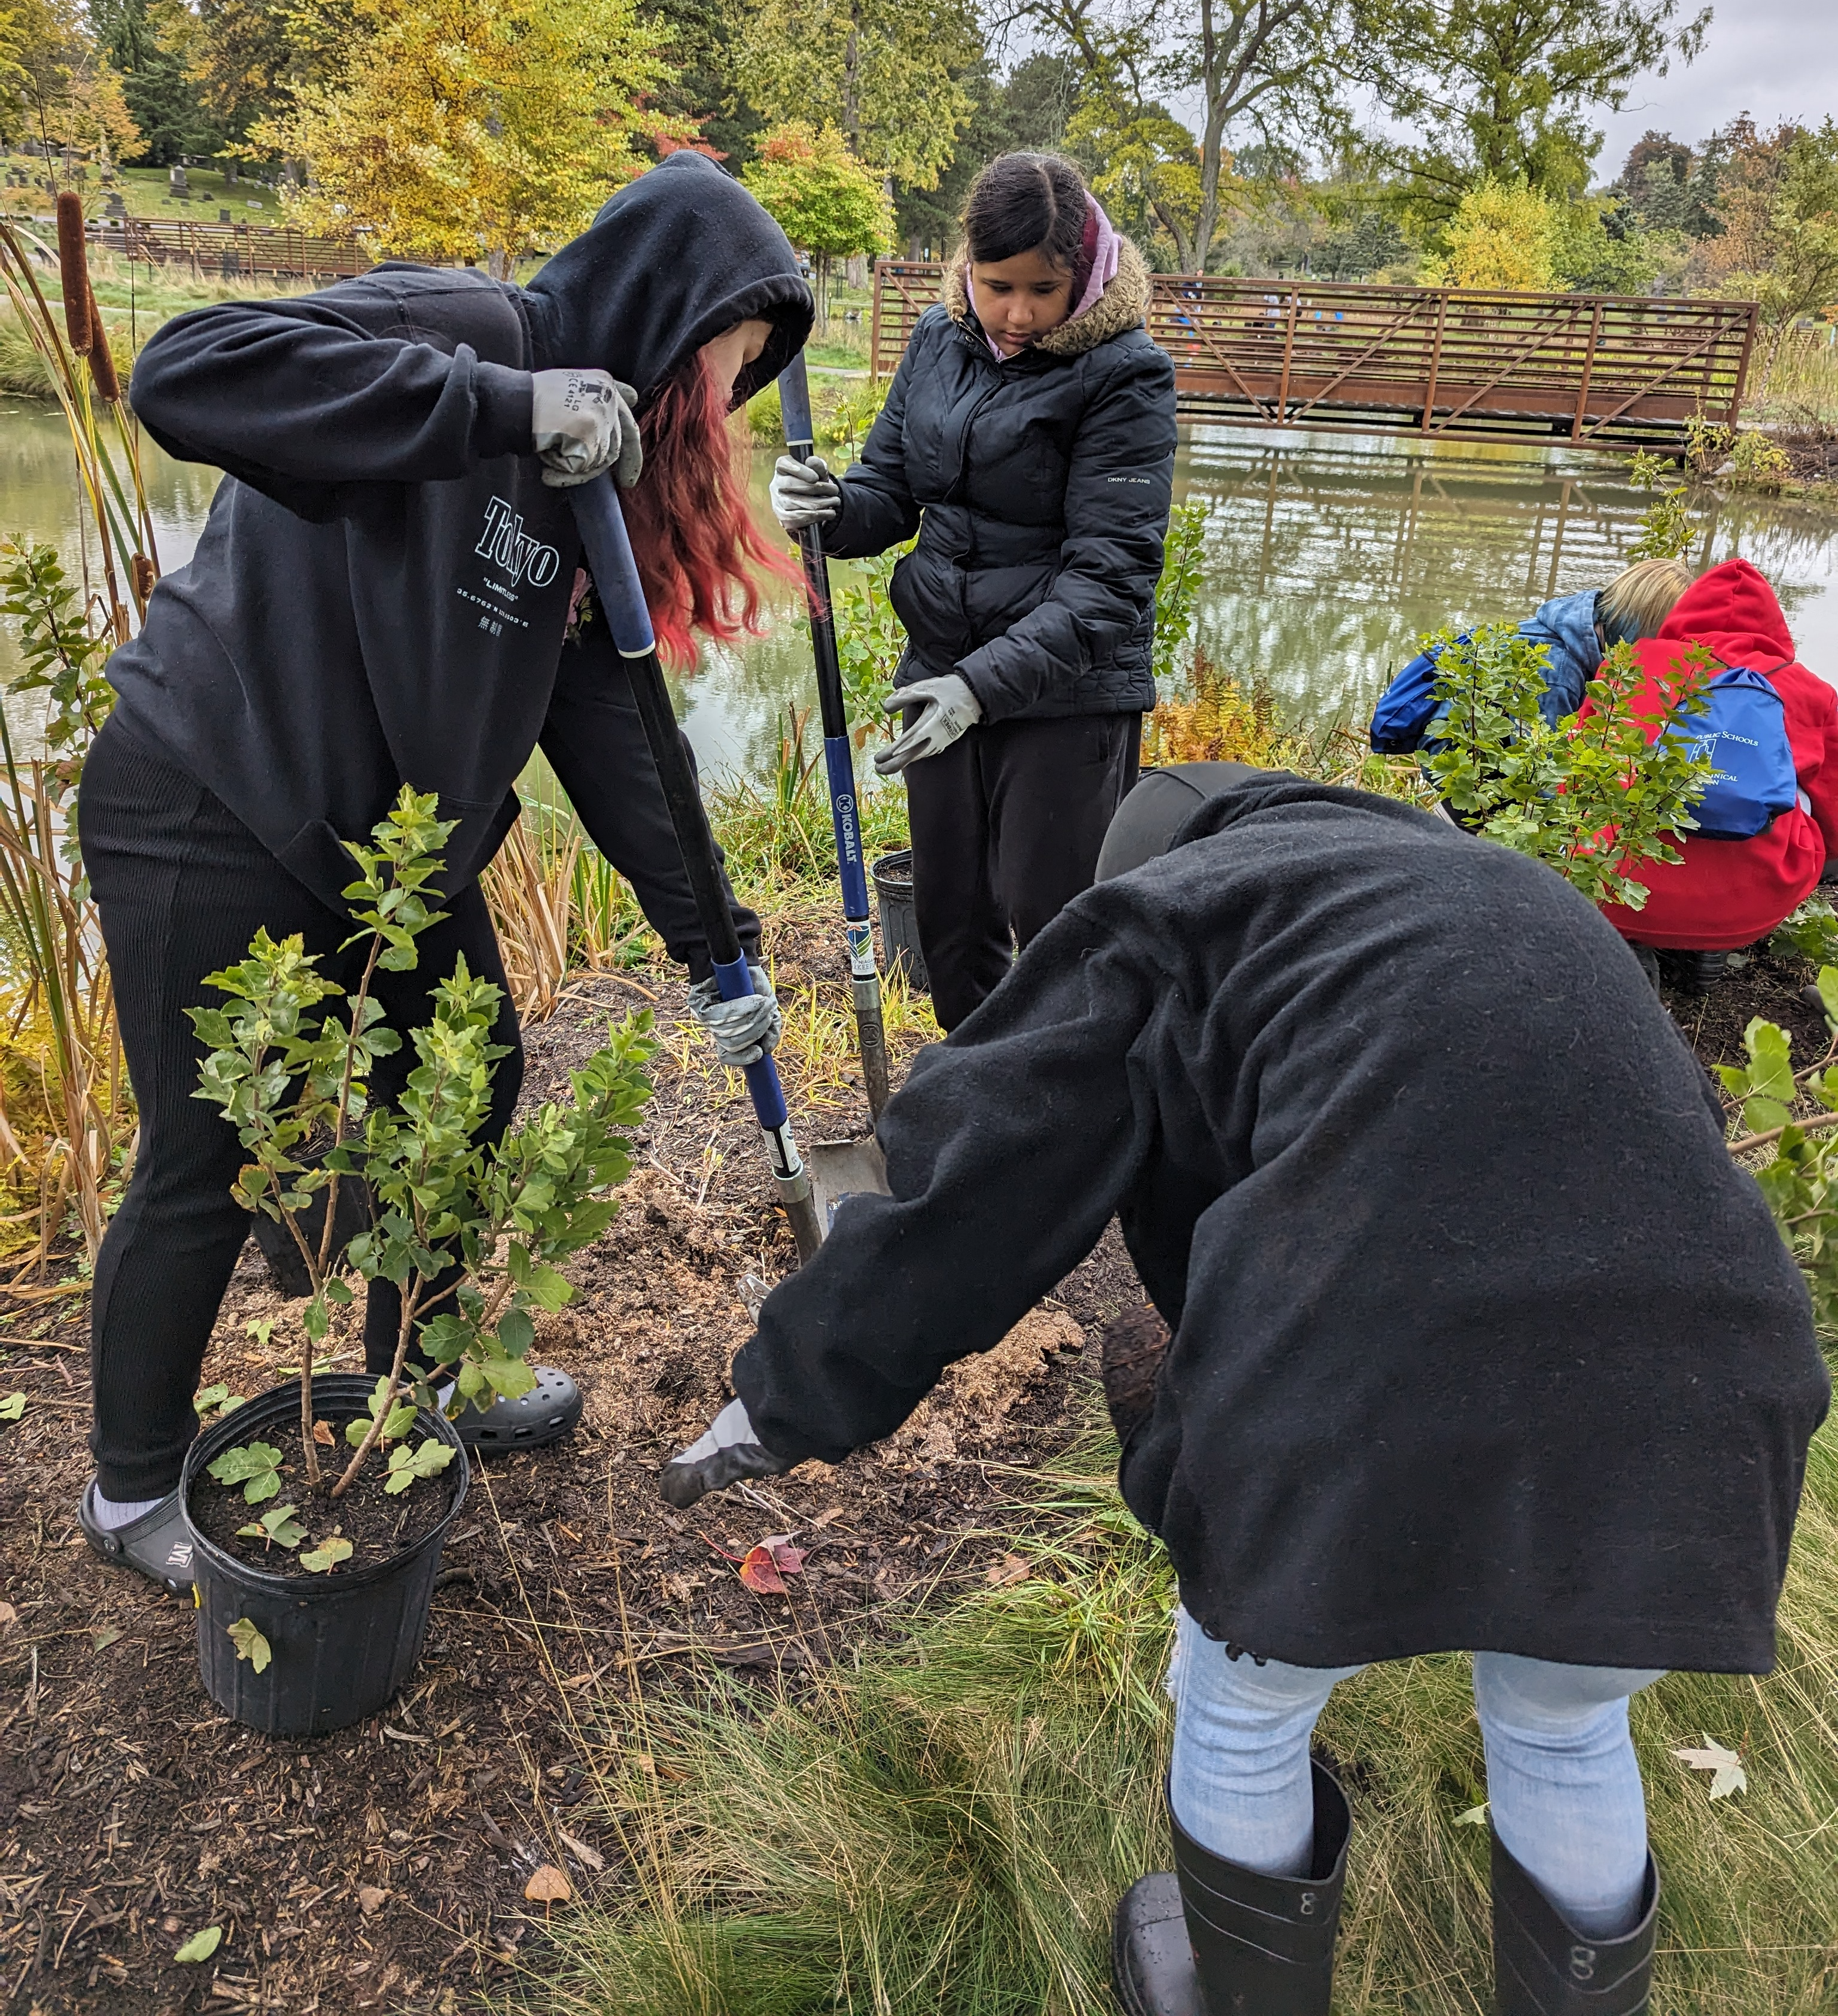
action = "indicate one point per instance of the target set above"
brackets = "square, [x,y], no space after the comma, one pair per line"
[1098,258]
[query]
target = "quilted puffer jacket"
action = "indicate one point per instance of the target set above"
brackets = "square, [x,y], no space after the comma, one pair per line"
[1039,488]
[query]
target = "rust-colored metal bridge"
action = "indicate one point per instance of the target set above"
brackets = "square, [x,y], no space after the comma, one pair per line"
[233,251]
[1601,371]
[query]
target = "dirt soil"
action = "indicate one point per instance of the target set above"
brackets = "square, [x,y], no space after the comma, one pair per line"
[1814,453]
[384,1867]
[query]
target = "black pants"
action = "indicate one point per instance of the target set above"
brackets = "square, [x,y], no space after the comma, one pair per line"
[183,886]
[1006,826]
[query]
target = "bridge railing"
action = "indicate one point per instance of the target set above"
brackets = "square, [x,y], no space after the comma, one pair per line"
[233,251]
[1598,370]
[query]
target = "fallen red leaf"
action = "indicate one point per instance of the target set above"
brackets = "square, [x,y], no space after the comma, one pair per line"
[766,1565]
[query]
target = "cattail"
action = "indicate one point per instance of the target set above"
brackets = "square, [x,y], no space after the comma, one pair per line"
[102,358]
[73,270]
[141,568]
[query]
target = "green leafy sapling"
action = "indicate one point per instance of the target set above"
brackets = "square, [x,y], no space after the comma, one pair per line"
[62,651]
[470,1233]
[1801,1182]
[1594,797]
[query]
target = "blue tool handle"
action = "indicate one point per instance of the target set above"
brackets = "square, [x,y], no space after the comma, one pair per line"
[794,406]
[845,817]
[602,525]
[621,594]
[735,983]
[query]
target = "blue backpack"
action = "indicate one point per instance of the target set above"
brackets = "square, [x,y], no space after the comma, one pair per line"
[1742,727]
[1407,707]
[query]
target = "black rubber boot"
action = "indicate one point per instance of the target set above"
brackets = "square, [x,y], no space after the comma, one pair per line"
[1694,972]
[1211,1939]
[1543,1967]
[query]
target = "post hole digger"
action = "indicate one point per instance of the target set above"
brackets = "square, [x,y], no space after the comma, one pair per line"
[622,600]
[838,1168]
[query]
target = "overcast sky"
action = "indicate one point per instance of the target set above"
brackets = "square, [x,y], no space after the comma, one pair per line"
[1776,59]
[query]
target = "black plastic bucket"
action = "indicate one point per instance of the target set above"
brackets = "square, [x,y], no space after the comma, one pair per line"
[900,940]
[343,1644]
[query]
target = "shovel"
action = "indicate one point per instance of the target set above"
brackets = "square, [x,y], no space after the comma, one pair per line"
[602,525]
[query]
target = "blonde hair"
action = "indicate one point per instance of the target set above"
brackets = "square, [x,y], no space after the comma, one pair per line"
[1638,601]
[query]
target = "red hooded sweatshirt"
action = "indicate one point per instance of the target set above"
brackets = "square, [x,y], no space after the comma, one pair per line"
[1728,893]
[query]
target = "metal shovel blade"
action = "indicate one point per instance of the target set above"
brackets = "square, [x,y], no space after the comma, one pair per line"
[838,1169]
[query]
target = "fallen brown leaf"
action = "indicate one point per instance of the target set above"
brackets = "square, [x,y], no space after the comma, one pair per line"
[1008,1570]
[591,1856]
[547,1885]
[322,1434]
[370,1900]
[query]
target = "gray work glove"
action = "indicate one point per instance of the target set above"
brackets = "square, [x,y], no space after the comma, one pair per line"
[583,425]
[947,708]
[729,1451]
[804,493]
[744,1030]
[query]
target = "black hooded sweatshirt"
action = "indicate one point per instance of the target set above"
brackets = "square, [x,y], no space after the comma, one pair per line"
[381,592]
[1480,1341]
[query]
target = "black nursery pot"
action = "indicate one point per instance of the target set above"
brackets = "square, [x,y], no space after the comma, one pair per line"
[343,1643]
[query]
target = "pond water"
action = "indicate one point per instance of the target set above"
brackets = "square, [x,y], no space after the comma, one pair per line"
[1326,557]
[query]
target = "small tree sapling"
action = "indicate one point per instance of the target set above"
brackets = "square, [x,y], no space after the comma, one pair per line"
[1594,796]
[469,1232]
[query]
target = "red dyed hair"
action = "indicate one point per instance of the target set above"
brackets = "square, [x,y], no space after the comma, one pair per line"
[693,537]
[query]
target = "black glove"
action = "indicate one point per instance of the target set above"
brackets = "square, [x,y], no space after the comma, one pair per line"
[730,1451]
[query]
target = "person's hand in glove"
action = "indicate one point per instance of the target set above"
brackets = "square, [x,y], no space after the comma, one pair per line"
[744,1030]
[804,493]
[729,1451]
[583,425]
[947,707]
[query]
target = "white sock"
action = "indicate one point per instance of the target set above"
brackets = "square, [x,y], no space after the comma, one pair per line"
[111,1513]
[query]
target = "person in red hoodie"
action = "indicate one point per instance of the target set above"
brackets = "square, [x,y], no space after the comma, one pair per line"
[1726,894]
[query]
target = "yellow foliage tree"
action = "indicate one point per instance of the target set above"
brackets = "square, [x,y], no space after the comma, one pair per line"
[57,84]
[1504,236]
[459,129]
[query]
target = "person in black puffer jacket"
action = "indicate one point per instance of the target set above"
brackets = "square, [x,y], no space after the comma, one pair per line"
[1029,438]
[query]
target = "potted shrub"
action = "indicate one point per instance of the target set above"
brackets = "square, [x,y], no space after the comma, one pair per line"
[317,1511]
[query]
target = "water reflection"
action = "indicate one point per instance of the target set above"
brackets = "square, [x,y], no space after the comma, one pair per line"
[1326,557]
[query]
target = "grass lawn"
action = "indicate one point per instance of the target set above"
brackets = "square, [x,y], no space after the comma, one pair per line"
[946,1823]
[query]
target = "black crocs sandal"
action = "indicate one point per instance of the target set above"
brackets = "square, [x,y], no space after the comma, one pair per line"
[544,1414]
[156,1545]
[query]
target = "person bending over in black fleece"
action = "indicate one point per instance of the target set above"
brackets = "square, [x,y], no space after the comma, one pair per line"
[380,597]
[1479,1341]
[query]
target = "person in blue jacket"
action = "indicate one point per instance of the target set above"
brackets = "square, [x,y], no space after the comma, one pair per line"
[1579,630]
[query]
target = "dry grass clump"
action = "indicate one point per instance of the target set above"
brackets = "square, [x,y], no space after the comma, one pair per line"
[947,1824]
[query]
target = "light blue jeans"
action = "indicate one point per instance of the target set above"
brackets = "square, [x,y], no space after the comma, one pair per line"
[1564,1790]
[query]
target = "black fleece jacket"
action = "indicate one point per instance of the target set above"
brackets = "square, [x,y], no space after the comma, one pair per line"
[380,593]
[1480,1340]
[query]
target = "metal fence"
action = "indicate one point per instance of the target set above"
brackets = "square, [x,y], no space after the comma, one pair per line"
[1595,370]
[232,251]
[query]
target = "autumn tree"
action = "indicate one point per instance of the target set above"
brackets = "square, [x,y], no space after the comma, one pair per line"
[1265,69]
[470,129]
[887,74]
[1505,89]
[151,44]
[1503,236]
[56,83]
[1777,200]
[827,203]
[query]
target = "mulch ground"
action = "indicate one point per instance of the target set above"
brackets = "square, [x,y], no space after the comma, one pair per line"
[384,1867]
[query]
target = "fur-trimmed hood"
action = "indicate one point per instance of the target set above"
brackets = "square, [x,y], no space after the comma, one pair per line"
[1123,304]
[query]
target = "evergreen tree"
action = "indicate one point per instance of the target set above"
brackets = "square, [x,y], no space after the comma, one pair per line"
[149,42]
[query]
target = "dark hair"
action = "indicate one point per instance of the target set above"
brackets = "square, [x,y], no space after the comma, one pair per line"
[1022,201]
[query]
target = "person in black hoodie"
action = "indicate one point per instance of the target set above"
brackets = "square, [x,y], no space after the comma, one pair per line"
[380,596]
[1479,1342]
[1028,438]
